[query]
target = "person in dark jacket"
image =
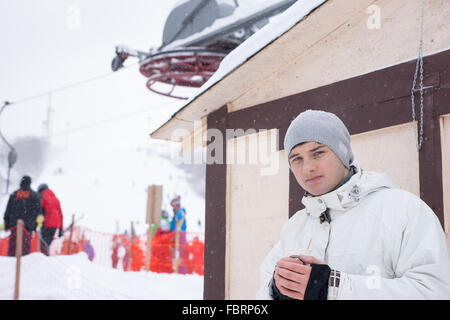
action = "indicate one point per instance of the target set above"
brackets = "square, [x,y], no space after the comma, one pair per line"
[53,217]
[23,204]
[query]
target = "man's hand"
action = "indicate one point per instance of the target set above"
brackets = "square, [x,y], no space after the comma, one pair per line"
[292,276]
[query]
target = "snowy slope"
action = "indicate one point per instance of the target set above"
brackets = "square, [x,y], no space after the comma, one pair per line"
[112,185]
[90,143]
[102,170]
[75,277]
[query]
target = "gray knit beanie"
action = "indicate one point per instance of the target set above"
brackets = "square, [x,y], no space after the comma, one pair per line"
[323,127]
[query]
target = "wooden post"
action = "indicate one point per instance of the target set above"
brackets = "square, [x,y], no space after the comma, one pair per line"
[177,250]
[19,246]
[69,248]
[154,200]
[149,248]
[132,244]
[150,197]
[132,233]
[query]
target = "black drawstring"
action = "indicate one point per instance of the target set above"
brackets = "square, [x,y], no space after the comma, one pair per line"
[325,216]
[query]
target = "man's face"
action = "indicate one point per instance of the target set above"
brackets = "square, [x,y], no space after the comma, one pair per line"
[316,167]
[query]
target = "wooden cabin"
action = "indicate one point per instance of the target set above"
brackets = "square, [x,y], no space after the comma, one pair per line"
[356,59]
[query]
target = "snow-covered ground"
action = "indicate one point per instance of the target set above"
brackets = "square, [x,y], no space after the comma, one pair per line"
[75,277]
[102,172]
[89,143]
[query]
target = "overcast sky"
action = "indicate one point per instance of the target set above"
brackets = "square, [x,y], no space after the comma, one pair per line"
[48,44]
[100,158]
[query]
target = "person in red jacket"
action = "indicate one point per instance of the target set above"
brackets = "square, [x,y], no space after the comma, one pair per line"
[53,217]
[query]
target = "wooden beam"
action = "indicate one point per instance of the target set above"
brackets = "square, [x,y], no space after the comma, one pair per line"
[215,215]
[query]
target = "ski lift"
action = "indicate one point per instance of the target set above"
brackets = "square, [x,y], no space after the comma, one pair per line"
[195,42]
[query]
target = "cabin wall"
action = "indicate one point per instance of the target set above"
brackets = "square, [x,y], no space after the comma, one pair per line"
[391,150]
[242,217]
[445,141]
[257,203]
[325,48]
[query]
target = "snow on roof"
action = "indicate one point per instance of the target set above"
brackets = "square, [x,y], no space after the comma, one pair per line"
[191,17]
[242,13]
[74,277]
[258,41]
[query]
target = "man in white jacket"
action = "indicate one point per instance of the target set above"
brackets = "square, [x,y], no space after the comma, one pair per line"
[368,239]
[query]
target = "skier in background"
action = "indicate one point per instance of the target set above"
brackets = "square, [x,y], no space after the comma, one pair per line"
[115,250]
[164,225]
[89,249]
[179,224]
[24,204]
[179,215]
[53,217]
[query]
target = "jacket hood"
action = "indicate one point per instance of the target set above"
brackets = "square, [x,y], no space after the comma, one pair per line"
[360,185]
[25,183]
[48,192]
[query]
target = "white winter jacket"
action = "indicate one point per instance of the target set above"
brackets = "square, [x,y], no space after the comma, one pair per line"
[386,242]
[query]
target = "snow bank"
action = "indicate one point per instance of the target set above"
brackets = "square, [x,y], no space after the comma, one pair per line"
[75,277]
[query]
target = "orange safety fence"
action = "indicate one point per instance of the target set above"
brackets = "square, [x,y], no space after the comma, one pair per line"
[163,253]
[8,244]
[121,252]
